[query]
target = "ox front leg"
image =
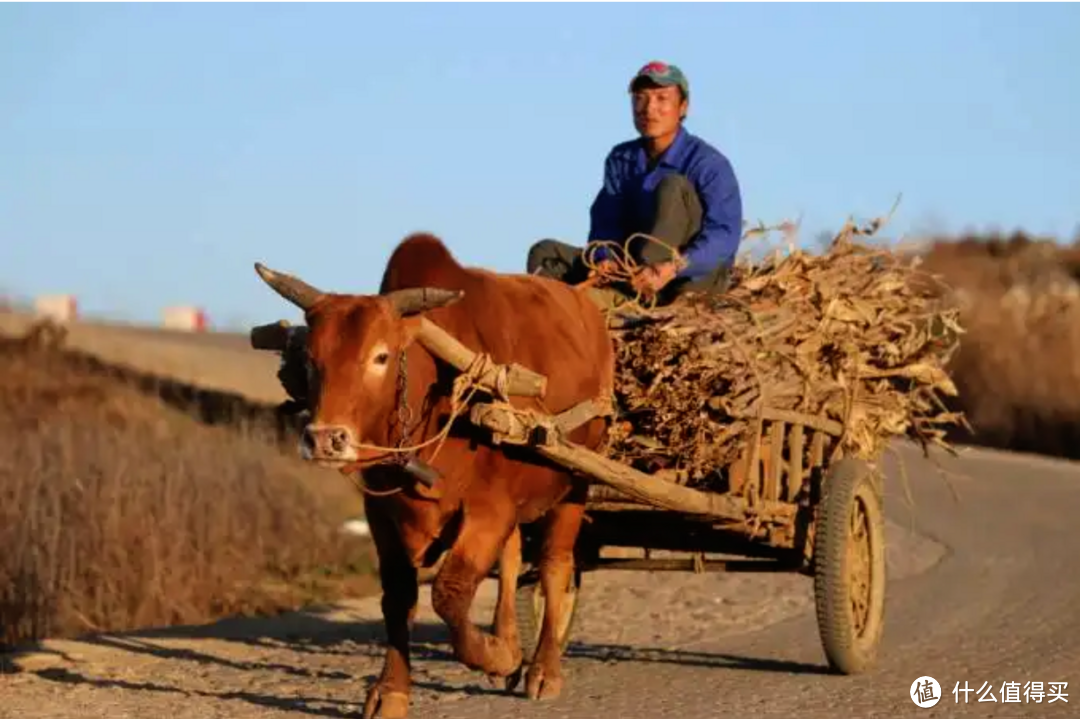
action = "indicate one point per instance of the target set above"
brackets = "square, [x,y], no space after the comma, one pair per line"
[474,552]
[389,696]
[556,563]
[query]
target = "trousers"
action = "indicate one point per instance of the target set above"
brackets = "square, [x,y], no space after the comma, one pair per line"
[674,218]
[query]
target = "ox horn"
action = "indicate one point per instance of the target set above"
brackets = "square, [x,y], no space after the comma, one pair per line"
[415,300]
[291,288]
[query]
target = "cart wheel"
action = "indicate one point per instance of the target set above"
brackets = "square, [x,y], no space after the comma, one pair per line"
[529,607]
[849,567]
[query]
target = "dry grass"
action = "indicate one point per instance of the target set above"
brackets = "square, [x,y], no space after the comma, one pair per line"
[845,338]
[118,512]
[1018,367]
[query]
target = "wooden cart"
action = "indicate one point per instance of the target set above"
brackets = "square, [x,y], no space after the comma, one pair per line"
[787,509]
[793,503]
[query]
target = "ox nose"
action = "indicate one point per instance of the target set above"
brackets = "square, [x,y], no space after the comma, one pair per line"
[328,441]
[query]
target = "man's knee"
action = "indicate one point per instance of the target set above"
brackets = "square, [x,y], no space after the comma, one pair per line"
[676,217]
[678,189]
[539,252]
[556,259]
[674,182]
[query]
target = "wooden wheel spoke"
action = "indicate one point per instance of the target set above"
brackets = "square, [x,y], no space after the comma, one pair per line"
[859,558]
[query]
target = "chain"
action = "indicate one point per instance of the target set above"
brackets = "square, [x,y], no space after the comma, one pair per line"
[404,411]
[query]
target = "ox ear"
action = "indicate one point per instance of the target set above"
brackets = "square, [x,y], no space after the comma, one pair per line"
[291,288]
[413,301]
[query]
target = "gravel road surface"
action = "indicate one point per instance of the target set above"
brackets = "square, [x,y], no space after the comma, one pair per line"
[984,588]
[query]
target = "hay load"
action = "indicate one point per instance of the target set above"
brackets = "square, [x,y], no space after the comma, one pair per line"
[856,336]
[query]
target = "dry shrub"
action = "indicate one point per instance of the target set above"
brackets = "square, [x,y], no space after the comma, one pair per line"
[845,337]
[1018,367]
[118,513]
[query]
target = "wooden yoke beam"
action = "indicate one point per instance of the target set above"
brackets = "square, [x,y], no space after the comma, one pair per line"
[520,381]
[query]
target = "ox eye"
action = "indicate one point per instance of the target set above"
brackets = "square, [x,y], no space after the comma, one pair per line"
[382,358]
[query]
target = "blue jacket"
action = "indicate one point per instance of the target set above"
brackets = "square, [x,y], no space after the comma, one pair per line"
[628,181]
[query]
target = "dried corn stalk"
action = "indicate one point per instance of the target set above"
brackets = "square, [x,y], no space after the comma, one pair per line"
[856,335]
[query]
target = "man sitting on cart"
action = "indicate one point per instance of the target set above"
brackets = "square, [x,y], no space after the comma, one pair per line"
[668,184]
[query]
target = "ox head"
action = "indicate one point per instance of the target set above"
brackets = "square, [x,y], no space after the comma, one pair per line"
[355,348]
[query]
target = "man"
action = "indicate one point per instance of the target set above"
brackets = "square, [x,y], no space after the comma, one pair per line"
[668,184]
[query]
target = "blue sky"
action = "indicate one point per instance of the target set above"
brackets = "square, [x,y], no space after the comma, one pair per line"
[149,154]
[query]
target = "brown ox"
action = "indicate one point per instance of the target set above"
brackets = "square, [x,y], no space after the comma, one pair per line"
[356,344]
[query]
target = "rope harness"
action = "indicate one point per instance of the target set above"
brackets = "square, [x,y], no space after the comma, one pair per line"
[465,387]
[622,266]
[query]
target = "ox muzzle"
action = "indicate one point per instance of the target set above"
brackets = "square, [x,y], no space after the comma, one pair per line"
[329,444]
[335,445]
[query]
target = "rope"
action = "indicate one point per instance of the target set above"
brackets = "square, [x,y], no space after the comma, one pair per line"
[623,267]
[466,385]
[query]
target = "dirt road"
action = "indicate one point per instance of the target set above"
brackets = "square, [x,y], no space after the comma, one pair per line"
[983,591]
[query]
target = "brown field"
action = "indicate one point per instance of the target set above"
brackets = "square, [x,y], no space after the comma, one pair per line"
[1018,368]
[128,501]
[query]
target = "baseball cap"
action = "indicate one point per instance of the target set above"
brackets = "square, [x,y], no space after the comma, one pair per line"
[663,74]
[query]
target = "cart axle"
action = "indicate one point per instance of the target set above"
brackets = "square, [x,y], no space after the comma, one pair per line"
[694,565]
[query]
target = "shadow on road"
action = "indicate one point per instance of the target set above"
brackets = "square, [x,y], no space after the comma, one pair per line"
[315,632]
[616,653]
[310,632]
[302,705]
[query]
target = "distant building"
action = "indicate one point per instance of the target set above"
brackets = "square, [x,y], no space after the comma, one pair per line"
[185,319]
[59,308]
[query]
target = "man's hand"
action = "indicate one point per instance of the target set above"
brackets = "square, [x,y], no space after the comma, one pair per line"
[604,267]
[654,278]
[602,271]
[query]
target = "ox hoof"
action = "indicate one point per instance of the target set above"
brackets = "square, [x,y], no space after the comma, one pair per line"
[386,704]
[538,685]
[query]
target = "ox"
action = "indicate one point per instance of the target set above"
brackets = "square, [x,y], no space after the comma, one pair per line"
[368,375]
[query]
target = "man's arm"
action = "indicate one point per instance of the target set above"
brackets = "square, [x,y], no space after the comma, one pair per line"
[721,221]
[605,215]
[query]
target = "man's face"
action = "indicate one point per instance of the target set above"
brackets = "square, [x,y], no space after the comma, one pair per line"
[657,110]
